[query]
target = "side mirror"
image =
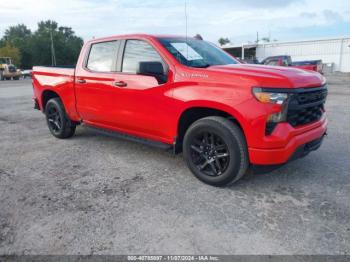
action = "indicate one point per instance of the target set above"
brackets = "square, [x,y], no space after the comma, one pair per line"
[153,69]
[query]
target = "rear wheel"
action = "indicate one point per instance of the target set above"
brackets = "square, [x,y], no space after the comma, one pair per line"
[16,78]
[215,151]
[57,120]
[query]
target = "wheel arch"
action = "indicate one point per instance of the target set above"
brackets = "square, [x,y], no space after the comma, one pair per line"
[46,95]
[195,112]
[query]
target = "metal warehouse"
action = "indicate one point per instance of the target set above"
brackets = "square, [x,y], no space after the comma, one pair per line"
[334,53]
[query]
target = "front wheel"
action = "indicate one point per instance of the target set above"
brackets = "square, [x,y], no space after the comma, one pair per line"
[215,151]
[57,120]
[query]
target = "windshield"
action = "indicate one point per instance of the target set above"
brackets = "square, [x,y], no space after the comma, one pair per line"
[5,60]
[196,53]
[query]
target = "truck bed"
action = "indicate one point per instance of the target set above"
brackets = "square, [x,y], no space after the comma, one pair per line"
[57,79]
[53,70]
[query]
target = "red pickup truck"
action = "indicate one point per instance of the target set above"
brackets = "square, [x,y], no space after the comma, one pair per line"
[286,60]
[188,95]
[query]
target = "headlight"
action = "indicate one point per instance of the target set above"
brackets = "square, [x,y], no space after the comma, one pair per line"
[269,97]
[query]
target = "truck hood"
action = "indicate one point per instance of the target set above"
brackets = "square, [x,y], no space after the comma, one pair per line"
[273,76]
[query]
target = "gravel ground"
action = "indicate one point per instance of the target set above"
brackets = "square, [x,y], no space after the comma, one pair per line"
[94,194]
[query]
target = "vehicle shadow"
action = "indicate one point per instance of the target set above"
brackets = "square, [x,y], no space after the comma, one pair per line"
[259,176]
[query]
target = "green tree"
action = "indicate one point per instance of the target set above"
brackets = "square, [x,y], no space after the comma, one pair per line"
[19,36]
[35,47]
[223,41]
[10,51]
[16,34]
[42,42]
[66,44]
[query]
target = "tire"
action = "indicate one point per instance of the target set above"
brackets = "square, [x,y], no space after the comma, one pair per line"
[16,78]
[215,151]
[57,120]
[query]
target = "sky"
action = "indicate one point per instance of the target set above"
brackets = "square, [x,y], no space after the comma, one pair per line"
[239,20]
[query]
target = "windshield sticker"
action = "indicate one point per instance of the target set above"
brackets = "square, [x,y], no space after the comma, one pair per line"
[188,52]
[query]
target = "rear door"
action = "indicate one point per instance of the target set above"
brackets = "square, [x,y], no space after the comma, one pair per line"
[96,94]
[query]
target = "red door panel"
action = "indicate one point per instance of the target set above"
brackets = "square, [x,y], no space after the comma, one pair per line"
[96,98]
[137,103]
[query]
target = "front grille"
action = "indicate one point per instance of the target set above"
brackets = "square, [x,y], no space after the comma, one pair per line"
[306,105]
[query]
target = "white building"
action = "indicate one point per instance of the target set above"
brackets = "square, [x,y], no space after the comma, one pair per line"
[335,51]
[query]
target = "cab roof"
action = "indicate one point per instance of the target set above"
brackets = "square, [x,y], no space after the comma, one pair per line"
[145,36]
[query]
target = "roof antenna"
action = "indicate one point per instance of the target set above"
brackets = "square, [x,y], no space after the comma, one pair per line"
[186,28]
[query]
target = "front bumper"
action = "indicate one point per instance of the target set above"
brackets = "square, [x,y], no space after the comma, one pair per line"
[299,145]
[304,150]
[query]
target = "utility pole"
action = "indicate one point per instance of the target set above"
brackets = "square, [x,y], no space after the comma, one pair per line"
[53,56]
[186,19]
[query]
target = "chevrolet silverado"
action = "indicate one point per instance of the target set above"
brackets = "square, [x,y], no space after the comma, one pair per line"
[187,95]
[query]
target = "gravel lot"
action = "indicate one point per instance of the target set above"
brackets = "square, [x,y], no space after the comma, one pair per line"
[94,194]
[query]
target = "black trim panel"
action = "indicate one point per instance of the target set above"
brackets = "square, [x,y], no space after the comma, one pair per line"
[293,90]
[305,149]
[130,137]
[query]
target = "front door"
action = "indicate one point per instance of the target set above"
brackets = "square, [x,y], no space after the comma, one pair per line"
[139,95]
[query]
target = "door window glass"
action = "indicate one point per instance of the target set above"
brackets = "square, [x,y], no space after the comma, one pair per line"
[102,56]
[138,51]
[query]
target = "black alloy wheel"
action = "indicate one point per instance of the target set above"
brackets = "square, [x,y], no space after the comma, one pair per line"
[215,150]
[57,120]
[210,153]
[54,119]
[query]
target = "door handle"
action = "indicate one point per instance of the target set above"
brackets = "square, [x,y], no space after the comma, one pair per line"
[120,84]
[81,81]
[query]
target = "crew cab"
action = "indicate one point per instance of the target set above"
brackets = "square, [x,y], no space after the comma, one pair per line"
[187,95]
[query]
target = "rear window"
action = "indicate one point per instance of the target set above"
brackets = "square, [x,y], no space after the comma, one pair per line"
[102,57]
